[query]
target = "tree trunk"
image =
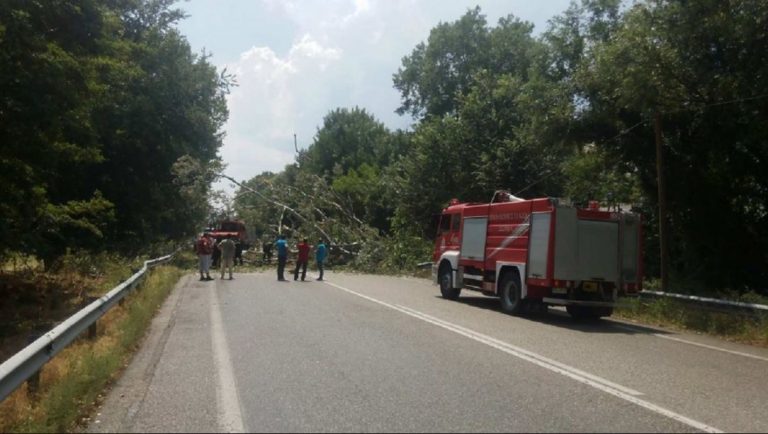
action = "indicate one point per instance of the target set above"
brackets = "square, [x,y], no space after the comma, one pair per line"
[663,225]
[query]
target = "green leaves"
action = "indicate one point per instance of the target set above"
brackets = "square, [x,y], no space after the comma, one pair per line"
[437,72]
[106,97]
[347,139]
[702,66]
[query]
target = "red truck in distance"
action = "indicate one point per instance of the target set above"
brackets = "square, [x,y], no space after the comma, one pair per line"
[537,253]
[231,228]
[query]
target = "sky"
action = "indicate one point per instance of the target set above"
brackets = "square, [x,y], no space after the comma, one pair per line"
[296,60]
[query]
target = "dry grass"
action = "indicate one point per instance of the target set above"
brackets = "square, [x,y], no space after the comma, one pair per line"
[33,300]
[738,327]
[71,384]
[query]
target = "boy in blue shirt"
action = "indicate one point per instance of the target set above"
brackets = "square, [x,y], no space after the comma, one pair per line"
[320,254]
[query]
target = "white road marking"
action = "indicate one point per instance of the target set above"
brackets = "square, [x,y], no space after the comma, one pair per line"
[227,400]
[519,352]
[568,371]
[659,335]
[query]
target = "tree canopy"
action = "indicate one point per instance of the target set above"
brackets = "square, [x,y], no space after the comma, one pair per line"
[110,128]
[570,113]
[100,99]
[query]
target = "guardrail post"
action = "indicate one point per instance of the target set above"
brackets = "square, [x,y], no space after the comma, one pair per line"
[92,329]
[137,282]
[33,382]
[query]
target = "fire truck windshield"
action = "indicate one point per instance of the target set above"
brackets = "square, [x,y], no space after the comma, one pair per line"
[230,226]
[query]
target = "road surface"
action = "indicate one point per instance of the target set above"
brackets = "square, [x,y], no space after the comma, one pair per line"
[370,353]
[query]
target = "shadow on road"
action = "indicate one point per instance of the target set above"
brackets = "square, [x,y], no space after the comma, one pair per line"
[558,317]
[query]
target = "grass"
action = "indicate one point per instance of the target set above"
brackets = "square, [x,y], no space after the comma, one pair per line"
[735,326]
[33,300]
[71,384]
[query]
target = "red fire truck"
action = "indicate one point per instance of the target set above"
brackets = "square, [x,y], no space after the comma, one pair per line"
[230,228]
[537,253]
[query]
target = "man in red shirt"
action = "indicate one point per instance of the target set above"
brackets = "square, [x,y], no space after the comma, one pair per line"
[204,249]
[301,260]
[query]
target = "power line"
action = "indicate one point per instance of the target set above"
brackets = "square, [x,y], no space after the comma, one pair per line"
[622,132]
[751,98]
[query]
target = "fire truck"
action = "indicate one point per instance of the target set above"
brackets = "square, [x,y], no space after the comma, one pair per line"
[230,228]
[539,252]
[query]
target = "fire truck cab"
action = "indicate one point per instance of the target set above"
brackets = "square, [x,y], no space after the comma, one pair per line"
[231,229]
[537,253]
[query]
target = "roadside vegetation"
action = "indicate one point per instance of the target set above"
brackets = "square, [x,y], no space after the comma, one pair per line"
[749,327]
[73,382]
[33,299]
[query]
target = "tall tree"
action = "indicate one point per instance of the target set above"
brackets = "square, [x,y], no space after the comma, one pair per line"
[703,66]
[347,139]
[507,125]
[48,57]
[99,100]
[435,73]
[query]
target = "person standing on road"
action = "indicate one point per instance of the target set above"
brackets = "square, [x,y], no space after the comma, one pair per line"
[239,251]
[301,260]
[282,257]
[227,247]
[216,255]
[320,254]
[266,248]
[204,249]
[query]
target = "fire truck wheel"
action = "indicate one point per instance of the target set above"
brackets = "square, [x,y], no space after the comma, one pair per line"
[446,287]
[511,300]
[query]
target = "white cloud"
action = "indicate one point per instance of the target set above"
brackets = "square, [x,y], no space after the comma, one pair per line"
[360,8]
[343,54]
[275,98]
[307,49]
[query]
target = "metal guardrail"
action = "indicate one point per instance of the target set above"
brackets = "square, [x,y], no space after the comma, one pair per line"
[726,304]
[27,362]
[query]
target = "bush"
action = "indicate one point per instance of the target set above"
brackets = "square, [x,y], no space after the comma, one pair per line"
[744,327]
[396,254]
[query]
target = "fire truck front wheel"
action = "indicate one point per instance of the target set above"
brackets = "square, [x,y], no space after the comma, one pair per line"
[511,299]
[446,283]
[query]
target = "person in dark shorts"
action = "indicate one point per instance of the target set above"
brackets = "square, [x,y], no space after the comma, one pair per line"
[238,252]
[282,257]
[301,260]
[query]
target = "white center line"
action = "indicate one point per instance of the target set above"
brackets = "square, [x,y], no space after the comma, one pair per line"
[560,368]
[227,400]
[519,352]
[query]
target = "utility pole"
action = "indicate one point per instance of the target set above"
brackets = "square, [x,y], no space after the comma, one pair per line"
[663,227]
[295,146]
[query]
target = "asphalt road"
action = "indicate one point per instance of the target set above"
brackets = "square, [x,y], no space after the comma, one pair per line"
[370,353]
